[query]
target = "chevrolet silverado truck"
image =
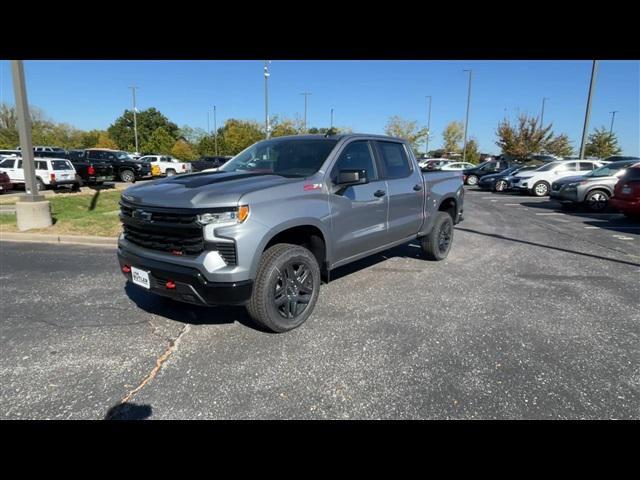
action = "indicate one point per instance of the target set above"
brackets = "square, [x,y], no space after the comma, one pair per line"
[274,221]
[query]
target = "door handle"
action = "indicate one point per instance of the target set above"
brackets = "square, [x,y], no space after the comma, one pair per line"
[379,193]
[417,187]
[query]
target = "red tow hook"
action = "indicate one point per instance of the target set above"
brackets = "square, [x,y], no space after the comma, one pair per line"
[170,285]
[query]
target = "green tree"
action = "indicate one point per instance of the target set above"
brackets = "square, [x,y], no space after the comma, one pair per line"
[286,126]
[453,135]
[182,151]
[559,146]
[407,129]
[160,142]
[148,122]
[524,138]
[105,141]
[236,135]
[602,144]
[473,154]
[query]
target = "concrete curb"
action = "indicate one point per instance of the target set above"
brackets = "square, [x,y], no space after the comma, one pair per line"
[60,239]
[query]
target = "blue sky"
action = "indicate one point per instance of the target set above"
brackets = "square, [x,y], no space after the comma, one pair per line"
[364,94]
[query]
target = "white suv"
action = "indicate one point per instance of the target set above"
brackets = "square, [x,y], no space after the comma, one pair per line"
[168,165]
[539,181]
[50,172]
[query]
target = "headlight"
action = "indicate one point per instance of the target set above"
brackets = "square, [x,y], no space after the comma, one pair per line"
[231,216]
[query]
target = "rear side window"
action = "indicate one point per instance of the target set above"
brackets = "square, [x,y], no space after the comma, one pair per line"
[394,160]
[356,156]
[41,165]
[7,163]
[586,166]
[60,165]
[95,154]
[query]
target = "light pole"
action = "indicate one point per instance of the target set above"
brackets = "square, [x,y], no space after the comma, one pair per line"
[306,94]
[266,99]
[544,99]
[215,129]
[331,128]
[613,117]
[135,120]
[32,211]
[428,127]
[585,130]
[466,123]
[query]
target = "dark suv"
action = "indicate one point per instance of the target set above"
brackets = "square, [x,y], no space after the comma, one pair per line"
[89,172]
[204,163]
[472,175]
[125,168]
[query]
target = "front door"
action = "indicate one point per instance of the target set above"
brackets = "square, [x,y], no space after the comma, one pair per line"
[358,212]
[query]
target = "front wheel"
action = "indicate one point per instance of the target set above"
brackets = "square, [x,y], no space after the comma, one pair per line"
[501,186]
[437,244]
[286,288]
[541,189]
[472,180]
[127,176]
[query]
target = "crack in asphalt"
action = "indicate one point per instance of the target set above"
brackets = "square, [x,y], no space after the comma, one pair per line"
[173,345]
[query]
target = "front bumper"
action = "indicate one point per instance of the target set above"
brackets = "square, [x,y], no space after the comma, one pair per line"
[565,195]
[190,285]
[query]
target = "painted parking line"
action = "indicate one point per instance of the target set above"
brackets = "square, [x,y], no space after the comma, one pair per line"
[614,226]
[550,213]
[622,237]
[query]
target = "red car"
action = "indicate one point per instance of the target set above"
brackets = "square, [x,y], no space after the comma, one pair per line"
[5,183]
[626,194]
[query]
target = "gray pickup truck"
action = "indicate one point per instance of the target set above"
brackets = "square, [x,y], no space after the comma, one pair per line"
[274,221]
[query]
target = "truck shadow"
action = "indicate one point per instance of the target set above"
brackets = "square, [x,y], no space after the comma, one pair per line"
[188,313]
[128,411]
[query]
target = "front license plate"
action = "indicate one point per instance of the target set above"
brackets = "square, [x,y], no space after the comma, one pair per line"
[140,277]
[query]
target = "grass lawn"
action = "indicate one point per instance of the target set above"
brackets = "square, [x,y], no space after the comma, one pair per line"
[94,214]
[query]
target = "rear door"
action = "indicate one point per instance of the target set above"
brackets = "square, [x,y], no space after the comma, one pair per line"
[8,165]
[404,190]
[358,212]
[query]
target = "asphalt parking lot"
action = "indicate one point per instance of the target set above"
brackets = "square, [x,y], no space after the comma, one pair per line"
[534,315]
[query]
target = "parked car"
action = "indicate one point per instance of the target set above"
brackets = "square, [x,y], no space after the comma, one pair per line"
[262,230]
[457,166]
[8,153]
[471,176]
[125,168]
[544,158]
[538,182]
[50,172]
[207,163]
[626,194]
[619,158]
[5,183]
[167,165]
[89,172]
[39,148]
[592,189]
[431,164]
[501,181]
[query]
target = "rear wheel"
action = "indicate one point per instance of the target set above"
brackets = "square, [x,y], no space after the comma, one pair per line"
[437,244]
[286,288]
[170,172]
[501,186]
[472,180]
[40,186]
[541,189]
[597,200]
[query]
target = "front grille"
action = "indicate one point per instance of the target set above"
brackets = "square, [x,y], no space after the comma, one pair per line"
[169,231]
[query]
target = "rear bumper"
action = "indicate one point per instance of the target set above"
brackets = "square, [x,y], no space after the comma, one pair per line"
[628,206]
[190,284]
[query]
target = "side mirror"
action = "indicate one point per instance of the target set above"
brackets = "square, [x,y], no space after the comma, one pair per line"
[352,177]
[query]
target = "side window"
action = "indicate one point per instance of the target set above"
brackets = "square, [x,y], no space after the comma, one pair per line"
[94,154]
[7,163]
[564,167]
[586,166]
[41,165]
[356,156]
[19,165]
[394,159]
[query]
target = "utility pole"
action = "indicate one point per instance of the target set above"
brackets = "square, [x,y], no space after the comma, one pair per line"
[306,94]
[613,117]
[215,129]
[466,123]
[544,99]
[426,148]
[32,211]
[331,128]
[266,99]
[585,130]
[135,119]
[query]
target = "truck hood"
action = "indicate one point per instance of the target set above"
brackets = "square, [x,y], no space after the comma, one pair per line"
[202,190]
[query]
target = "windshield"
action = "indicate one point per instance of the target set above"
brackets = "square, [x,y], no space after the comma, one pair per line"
[510,170]
[616,168]
[286,157]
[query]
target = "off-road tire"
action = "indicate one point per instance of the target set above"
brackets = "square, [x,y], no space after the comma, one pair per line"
[127,176]
[432,247]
